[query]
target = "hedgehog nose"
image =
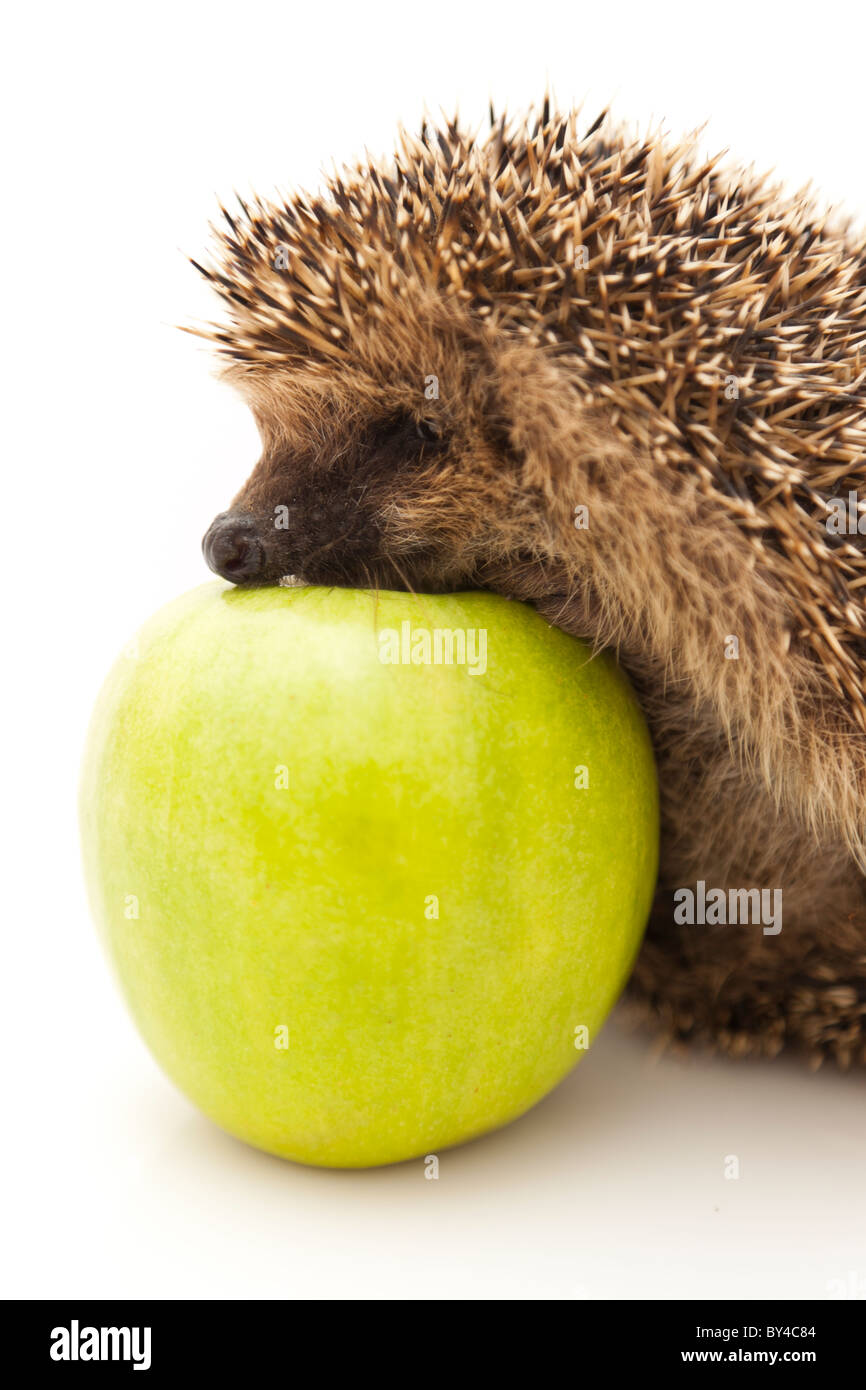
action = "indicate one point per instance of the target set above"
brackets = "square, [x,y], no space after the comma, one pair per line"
[232,548]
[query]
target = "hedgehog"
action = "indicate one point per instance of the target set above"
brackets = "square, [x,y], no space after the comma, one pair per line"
[592,371]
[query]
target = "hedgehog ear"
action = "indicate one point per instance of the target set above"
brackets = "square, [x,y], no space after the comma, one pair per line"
[546,422]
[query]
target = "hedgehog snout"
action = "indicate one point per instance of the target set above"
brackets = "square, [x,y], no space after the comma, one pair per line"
[233,549]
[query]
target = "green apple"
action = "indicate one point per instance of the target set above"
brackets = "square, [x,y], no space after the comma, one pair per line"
[372,868]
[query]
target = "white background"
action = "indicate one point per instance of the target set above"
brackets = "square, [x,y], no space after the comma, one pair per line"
[122,127]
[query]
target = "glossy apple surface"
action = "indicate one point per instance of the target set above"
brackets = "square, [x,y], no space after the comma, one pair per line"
[362,907]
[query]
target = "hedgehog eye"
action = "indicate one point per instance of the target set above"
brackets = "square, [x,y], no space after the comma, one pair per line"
[429,431]
[403,438]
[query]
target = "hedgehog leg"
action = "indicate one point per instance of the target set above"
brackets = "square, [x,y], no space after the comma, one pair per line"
[754,1003]
[732,986]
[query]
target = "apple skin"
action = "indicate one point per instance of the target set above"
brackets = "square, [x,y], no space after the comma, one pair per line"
[233,906]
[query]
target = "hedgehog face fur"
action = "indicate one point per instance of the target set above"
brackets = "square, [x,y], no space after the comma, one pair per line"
[366,482]
[452,355]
